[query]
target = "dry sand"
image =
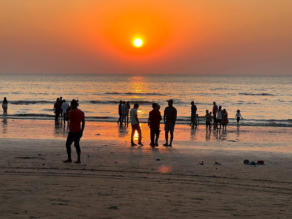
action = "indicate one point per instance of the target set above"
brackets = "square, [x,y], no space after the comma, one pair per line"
[117,181]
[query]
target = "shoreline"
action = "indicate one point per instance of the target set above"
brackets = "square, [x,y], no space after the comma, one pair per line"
[182,121]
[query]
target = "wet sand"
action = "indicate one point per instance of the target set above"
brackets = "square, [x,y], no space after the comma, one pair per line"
[118,181]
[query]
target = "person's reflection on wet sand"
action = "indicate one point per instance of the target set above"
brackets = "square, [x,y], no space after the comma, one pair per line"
[208,134]
[223,135]
[122,131]
[216,133]
[193,133]
[58,128]
[237,131]
[4,125]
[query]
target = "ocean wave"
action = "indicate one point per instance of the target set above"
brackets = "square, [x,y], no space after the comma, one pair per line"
[246,103]
[28,102]
[134,94]
[142,102]
[256,94]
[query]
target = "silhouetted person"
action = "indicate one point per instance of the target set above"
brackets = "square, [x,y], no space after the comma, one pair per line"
[57,108]
[76,128]
[224,119]
[219,117]
[120,112]
[169,118]
[64,108]
[193,115]
[215,110]
[5,105]
[61,102]
[208,120]
[127,113]
[238,117]
[154,124]
[135,125]
[124,111]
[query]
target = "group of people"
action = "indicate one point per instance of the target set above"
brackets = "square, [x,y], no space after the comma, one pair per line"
[169,118]
[220,117]
[76,120]
[61,108]
[124,108]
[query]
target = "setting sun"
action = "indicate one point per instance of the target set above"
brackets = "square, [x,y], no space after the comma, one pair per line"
[138,42]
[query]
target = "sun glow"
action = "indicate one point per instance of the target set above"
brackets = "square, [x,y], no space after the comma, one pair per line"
[138,42]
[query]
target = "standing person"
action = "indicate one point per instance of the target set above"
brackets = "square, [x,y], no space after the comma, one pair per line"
[215,110]
[60,104]
[208,120]
[154,124]
[193,115]
[169,119]
[76,117]
[127,113]
[224,119]
[64,108]
[120,112]
[57,108]
[219,116]
[5,105]
[135,125]
[124,111]
[238,117]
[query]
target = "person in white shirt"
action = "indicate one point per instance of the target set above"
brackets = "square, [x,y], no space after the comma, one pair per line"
[135,125]
[238,116]
[64,108]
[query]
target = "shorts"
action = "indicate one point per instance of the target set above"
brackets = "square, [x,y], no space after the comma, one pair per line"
[219,121]
[169,126]
[208,123]
[237,119]
[73,137]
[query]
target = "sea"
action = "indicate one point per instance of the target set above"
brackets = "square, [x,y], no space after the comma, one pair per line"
[262,100]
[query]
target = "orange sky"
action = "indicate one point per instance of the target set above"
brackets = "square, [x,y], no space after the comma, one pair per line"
[180,37]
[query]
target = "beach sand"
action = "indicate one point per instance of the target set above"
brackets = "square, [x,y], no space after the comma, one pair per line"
[119,181]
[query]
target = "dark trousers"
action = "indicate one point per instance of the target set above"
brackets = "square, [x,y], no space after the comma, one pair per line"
[73,137]
[154,135]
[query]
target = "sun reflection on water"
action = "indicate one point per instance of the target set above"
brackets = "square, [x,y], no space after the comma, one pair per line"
[164,169]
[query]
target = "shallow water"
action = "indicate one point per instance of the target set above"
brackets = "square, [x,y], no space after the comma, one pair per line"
[262,100]
[244,138]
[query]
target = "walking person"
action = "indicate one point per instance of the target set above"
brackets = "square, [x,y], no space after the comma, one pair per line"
[76,127]
[135,125]
[169,118]
[5,105]
[154,124]
[194,121]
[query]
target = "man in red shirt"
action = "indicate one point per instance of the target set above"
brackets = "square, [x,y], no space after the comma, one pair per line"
[75,117]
